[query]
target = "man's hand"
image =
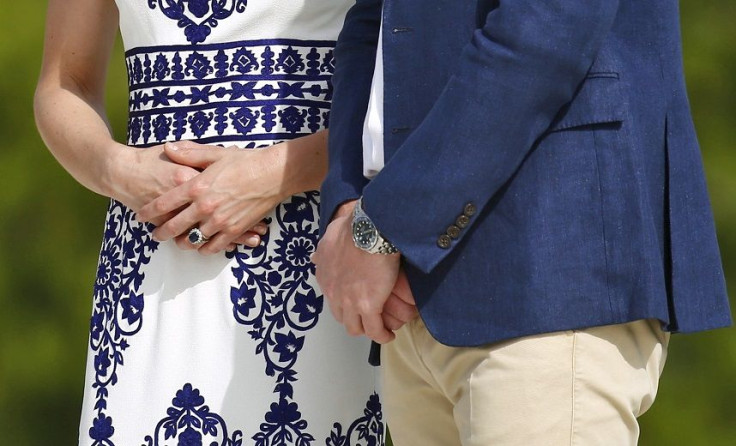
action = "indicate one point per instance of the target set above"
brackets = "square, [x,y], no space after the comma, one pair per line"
[357,284]
[400,307]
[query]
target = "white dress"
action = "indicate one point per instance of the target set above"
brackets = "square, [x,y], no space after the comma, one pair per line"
[238,348]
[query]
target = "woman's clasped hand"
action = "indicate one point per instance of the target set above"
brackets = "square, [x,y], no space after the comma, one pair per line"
[224,192]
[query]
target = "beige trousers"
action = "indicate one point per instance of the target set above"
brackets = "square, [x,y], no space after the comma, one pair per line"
[579,387]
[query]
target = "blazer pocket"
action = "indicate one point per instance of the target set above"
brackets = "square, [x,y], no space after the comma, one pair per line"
[597,101]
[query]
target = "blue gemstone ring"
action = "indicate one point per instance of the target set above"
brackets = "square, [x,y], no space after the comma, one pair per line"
[196,237]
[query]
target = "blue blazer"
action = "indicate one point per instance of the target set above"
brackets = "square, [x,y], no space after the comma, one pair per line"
[542,169]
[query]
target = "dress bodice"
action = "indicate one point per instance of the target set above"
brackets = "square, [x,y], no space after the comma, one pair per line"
[145,23]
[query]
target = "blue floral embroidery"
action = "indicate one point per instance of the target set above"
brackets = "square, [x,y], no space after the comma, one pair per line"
[290,61]
[161,67]
[191,423]
[365,431]
[257,93]
[292,119]
[118,306]
[198,17]
[198,66]
[244,61]
[101,430]
[274,298]
[265,90]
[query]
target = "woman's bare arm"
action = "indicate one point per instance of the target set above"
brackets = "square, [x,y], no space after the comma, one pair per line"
[69,108]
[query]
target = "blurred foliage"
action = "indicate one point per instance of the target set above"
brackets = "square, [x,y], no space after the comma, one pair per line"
[50,232]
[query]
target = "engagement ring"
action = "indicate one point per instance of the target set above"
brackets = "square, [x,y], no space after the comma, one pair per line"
[196,237]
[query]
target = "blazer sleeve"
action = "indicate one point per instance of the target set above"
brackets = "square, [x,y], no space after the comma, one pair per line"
[355,56]
[513,77]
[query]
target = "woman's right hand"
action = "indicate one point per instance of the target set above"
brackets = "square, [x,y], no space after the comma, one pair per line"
[138,176]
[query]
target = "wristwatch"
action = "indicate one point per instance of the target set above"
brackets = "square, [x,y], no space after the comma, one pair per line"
[365,234]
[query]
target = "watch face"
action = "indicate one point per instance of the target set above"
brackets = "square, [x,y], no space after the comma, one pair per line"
[365,235]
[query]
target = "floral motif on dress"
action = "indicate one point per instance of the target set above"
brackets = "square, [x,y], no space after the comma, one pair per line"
[118,306]
[365,431]
[198,17]
[191,423]
[273,296]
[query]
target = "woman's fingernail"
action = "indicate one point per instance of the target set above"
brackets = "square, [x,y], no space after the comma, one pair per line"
[253,241]
[171,146]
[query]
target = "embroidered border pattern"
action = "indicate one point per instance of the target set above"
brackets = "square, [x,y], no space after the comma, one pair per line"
[264,91]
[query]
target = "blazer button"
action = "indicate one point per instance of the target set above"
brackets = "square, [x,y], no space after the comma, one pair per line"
[462,221]
[444,241]
[469,209]
[453,231]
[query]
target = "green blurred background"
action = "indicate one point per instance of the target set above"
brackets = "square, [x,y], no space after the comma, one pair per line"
[50,232]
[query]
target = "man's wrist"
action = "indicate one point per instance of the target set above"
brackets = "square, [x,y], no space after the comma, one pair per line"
[365,234]
[346,209]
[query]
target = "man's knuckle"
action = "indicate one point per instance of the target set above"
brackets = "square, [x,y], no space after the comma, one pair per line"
[364,306]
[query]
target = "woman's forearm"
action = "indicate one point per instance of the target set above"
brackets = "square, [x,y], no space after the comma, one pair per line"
[304,162]
[69,100]
[77,134]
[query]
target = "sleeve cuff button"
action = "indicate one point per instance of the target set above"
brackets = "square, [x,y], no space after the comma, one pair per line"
[444,241]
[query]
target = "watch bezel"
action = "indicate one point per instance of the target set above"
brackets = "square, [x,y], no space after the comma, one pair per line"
[363,221]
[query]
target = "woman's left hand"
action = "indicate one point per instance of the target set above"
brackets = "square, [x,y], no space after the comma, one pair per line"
[227,201]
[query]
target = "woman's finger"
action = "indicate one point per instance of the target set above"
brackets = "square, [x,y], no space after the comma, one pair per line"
[182,241]
[194,155]
[167,203]
[160,220]
[180,224]
[260,228]
[249,239]
[217,243]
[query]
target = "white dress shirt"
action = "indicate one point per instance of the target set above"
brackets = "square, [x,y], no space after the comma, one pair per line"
[373,124]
